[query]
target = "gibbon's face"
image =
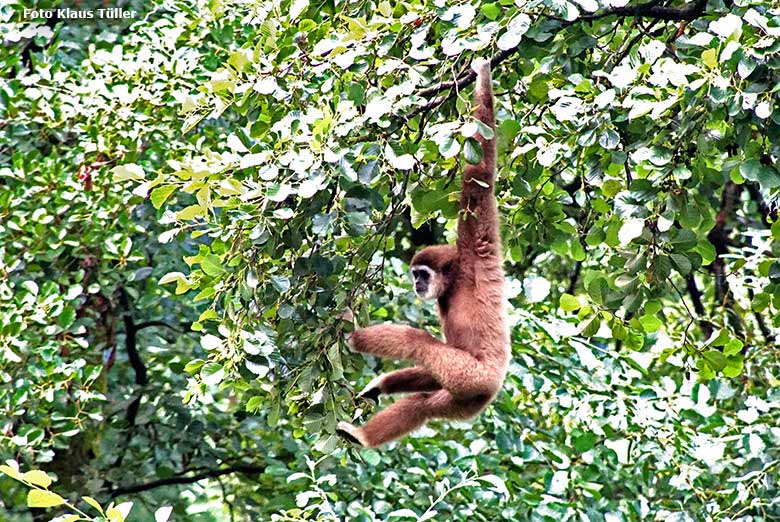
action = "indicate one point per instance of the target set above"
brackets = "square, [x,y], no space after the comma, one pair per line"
[432,270]
[425,282]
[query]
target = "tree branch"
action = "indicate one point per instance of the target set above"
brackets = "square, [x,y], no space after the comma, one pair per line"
[139,368]
[183,327]
[574,278]
[185,478]
[719,237]
[131,329]
[698,306]
[653,10]
[768,215]
[649,9]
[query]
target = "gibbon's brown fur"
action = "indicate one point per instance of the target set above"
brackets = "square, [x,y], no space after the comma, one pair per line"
[458,378]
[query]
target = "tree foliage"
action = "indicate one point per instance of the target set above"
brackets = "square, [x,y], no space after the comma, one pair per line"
[196,203]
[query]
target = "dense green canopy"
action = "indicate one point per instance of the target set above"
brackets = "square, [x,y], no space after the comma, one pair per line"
[194,200]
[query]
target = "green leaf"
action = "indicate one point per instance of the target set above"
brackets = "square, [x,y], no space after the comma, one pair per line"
[171,277]
[750,169]
[689,216]
[635,340]
[372,457]
[766,176]
[585,442]
[569,303]
[67,317]
[497,482]
[631,230]
[650,323]
[705,370]
[193,366]
[760,302]
[619,330]
[334,357]
[663,268]
[609,139]
[735,366]
[94,503]
[281,283]
[306,25]
[597,289]
[577,251]
[710,58]
[129,171]
[450,147]
[732,347]
[212,265]
[776,230]
[11,472]
[190,213]
[716,359]
[681,263]
[484,130]
[159,195]
[707,251]
[39,498]
[683,240]
[592,327]
[472,151]
[774,271]
[37,477]
[491,11]
[254,403]
[212,373]
[402,513]
[732,371]
[118,513]
[596,236]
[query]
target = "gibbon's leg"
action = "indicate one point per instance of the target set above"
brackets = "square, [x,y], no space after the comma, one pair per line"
[414,379]
[408,414]
[456,370]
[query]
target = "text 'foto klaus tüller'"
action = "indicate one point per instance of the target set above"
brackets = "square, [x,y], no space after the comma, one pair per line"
[80,14]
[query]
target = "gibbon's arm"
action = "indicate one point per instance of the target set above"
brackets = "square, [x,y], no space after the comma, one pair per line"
[485,170]
[453,369]
[478,223]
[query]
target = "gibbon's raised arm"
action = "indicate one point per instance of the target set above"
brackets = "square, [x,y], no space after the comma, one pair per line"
[485,170]
[478,223]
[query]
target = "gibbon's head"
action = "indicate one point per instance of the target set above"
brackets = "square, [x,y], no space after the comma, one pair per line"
[432,270]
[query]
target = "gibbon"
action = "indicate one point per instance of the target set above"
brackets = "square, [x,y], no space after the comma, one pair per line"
[458,378]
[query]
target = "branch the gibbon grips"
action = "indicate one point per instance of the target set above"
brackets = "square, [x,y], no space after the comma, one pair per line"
[458,378]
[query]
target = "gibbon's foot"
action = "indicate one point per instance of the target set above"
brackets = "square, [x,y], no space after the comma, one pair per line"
[349,433]
[372,390]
